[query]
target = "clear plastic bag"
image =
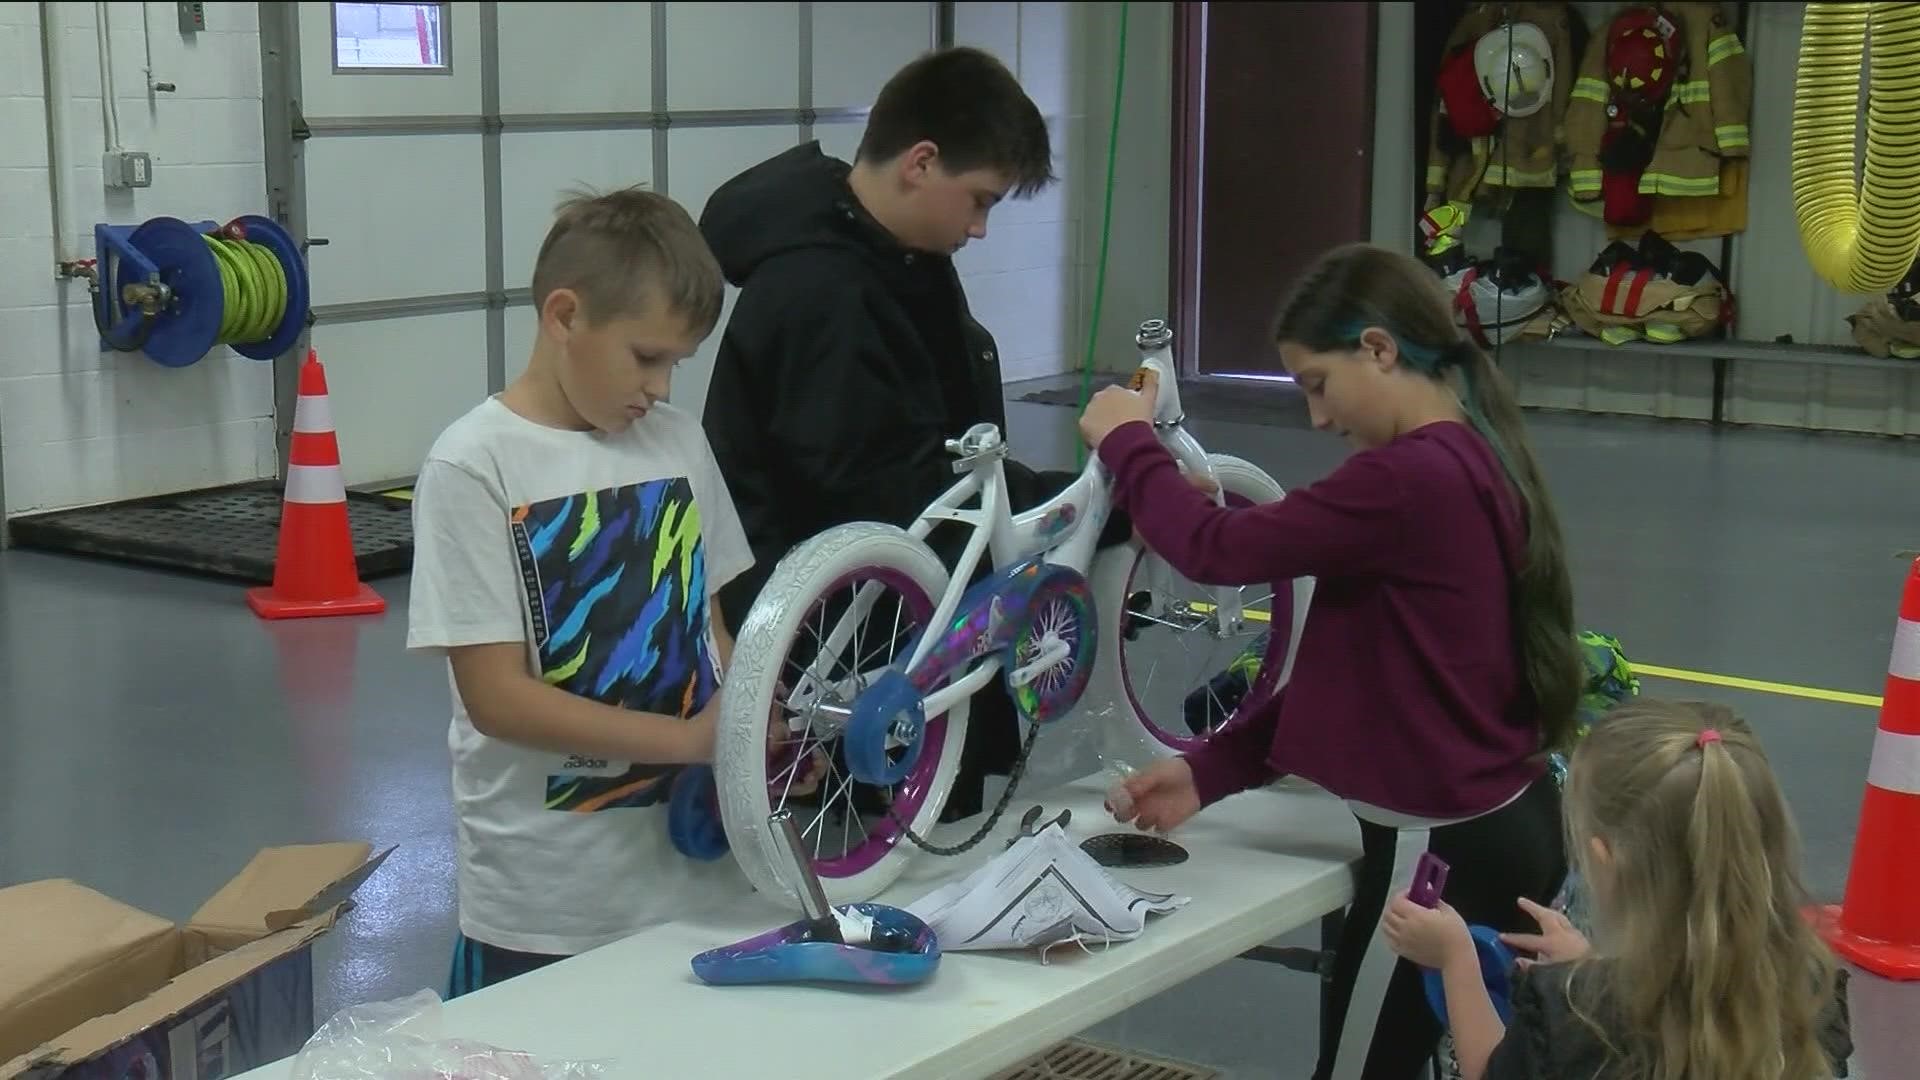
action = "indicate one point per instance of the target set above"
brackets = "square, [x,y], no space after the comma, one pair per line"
[402,1040]
[1068,748]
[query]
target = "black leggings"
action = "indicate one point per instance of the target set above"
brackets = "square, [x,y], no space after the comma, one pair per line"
[1518,850]
[478,965]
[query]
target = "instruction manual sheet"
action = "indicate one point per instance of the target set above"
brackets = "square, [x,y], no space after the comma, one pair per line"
[1041,892]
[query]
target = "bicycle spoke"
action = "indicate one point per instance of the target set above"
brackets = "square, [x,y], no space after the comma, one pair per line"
[824,804]
[1182,627]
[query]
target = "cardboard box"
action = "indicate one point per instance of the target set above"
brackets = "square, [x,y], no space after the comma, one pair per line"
[90,987]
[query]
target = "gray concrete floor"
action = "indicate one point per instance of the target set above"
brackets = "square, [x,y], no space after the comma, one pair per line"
[153,733]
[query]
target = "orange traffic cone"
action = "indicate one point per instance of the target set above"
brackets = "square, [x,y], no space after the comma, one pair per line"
[1877,925]
[314,573]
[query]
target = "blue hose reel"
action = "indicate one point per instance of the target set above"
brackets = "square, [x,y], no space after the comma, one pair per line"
[179,290]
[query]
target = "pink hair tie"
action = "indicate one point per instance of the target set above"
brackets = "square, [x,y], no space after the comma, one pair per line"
[1707,736]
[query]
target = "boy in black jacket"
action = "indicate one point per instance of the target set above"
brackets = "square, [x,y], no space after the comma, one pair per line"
[852,356]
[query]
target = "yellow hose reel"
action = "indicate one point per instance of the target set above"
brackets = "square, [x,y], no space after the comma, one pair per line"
[1858,240]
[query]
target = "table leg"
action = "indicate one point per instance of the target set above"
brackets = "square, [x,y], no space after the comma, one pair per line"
[1720,366]
[1331,926]
[1312,961]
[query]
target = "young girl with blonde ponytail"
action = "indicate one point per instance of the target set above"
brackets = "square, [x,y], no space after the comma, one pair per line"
[1703,967]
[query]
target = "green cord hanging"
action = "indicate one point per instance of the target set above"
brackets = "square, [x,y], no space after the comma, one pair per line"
[1106,230]
[255,290]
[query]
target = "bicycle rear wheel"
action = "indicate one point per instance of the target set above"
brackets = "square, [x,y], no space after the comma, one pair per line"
[795,676]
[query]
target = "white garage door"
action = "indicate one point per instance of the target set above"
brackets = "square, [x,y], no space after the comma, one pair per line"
[428,145]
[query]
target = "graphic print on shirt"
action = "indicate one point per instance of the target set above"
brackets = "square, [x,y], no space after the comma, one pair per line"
[615,582]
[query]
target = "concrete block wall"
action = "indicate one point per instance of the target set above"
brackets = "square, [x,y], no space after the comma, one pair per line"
[78,425]
[81,426]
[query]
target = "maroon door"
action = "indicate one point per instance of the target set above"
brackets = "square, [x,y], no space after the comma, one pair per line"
[1273,129]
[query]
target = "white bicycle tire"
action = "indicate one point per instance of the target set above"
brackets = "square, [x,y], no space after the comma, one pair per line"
[1128,736]
[760,650]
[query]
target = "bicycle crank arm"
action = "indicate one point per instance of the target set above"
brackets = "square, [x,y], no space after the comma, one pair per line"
[961,689]
[1050,653]
[837,717]
[990,617]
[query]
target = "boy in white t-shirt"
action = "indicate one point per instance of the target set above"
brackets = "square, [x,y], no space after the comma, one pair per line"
[570,534]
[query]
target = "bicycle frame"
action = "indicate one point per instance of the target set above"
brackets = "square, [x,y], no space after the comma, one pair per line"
[1063,531]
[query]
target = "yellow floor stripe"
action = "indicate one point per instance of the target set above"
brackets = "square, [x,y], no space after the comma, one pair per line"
[1813,693]
[399,493]
[1734,682]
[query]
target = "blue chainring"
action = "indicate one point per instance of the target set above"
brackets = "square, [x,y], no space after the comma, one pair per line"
[892,707]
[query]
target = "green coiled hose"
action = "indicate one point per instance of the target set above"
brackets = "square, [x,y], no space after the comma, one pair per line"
[255,290]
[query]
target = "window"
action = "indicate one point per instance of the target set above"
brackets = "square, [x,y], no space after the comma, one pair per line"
[390,37]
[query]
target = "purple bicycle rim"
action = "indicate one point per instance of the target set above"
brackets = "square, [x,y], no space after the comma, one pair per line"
[1277,644]
[912,792]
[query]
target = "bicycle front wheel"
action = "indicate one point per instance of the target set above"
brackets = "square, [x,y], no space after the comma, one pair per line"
[1172,670]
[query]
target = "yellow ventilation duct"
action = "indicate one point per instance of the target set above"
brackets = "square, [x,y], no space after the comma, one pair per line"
[1860,240]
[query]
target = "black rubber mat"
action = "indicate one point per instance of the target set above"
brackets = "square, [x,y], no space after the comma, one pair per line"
[1068,396]
[231,532]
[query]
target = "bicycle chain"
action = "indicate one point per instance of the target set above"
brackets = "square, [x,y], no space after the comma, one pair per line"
[1006,797]
[993,819]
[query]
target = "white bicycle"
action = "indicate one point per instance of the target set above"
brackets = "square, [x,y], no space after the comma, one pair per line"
[848,697]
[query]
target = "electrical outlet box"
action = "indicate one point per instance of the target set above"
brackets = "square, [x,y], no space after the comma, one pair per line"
[127,169]
[193,17]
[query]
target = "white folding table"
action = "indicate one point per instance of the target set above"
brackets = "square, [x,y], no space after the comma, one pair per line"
[1262,865]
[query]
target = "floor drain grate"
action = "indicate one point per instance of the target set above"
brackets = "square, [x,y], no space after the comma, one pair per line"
[1077,1059]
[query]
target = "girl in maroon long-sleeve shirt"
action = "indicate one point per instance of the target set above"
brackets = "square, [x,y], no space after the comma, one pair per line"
[1438,662]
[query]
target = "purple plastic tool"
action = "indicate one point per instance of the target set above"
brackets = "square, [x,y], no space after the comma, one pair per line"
[1429,880]
[1496,960]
